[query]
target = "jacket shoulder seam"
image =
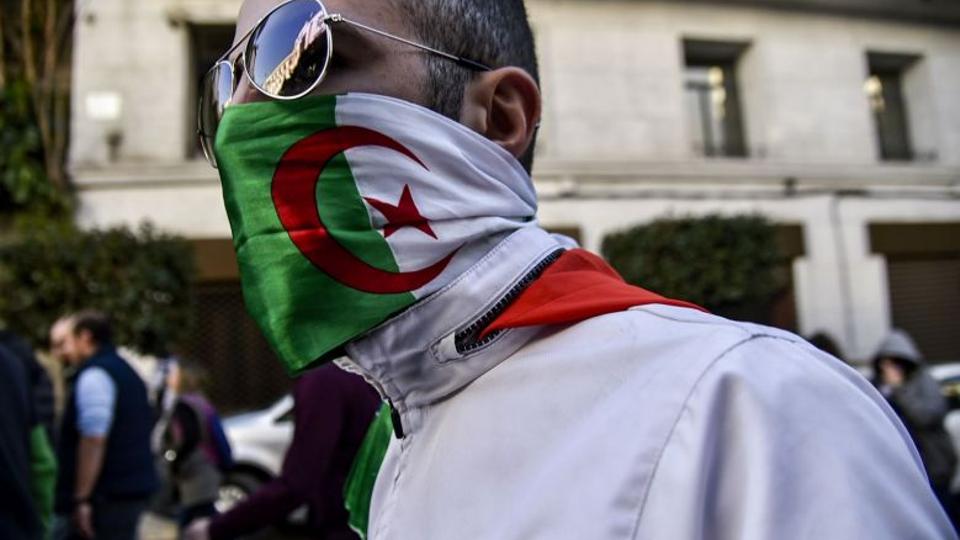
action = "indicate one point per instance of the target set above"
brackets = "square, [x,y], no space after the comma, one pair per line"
[676,421]
[716,321]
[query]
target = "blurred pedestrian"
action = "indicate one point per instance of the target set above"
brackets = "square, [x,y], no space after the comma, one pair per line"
[41,389]
[194,447]
[163,383]
[331,413]
[19,518]
[43,466]
[106,468]
[827,344]
[903,378]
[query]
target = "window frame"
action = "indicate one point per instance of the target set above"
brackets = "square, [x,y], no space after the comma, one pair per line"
[723,55]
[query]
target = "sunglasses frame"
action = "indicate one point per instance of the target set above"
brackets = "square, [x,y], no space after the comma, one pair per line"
[328,19]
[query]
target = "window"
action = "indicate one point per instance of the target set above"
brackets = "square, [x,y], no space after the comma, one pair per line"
[884,89]
[207,43]
[712,98]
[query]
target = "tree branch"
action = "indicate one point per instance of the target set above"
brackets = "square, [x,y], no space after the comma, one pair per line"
[49,42]
[61,113]
[14,39]
[47,92]
[29,66]
[40,109]
[65,24]
[3,53]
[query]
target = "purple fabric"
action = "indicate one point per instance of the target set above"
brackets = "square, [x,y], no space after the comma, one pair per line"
[332,410]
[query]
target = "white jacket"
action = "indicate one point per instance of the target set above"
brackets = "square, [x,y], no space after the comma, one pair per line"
[655,423]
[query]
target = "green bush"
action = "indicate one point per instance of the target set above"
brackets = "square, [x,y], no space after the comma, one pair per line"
[728,265]
[141,278]
[24,186]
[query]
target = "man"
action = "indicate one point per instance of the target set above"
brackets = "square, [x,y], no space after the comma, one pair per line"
[106,469]
[534,394]
[902,376]
[41,389]
[331,412]
[19,518]
[42,468]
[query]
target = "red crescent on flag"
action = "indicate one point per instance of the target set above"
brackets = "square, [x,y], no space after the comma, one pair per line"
[294,196]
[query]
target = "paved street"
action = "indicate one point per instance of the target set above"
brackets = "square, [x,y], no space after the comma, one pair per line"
[155,527]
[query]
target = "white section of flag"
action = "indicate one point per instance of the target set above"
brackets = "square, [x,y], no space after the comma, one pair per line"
[472,191]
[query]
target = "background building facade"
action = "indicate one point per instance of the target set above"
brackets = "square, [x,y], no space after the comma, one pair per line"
[839,120]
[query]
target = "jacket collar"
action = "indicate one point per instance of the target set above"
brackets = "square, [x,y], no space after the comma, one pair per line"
[101,352]
[414,359]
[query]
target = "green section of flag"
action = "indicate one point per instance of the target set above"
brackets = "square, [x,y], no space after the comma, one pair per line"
[339,203]
[305,314]
[358,489]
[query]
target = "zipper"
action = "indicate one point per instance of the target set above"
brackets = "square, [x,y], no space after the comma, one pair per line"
[347,364]
[467,340]
[396,421]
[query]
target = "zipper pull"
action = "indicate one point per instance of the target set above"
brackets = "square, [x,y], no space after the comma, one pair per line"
[395,420]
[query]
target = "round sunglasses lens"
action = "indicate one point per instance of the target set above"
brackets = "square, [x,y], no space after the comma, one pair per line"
[288,52]
[216,90]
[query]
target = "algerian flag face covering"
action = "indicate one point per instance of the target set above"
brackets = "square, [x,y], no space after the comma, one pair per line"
[347,209]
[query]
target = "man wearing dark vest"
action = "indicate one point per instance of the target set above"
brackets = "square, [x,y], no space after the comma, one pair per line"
[106,470]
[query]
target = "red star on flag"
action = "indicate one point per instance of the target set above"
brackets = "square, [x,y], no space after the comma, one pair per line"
[403,214]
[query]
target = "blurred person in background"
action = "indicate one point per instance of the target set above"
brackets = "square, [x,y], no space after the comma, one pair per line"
[902,377]
[331,413]
[827,344]
[106,473]
[194,446]
[163,383]
[19,516]
[41,388]
[43,466]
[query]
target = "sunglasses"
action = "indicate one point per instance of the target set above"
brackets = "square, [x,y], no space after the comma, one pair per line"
[286,56]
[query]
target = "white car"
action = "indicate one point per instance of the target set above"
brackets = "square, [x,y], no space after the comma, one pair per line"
[259,442]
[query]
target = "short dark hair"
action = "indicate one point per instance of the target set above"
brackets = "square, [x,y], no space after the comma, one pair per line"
[496,33]
[826,343]
[95,322]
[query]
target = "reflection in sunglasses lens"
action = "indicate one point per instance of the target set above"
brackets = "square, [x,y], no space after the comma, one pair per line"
[225,87]
[288,51]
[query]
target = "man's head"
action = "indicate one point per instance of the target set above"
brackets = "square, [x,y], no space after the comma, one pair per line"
[495,33]
[502,105]
[91,332]
[61,340]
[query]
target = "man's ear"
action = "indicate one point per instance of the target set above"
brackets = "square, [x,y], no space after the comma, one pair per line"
[504,106]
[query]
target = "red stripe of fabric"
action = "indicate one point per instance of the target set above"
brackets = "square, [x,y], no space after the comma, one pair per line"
[578,286]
